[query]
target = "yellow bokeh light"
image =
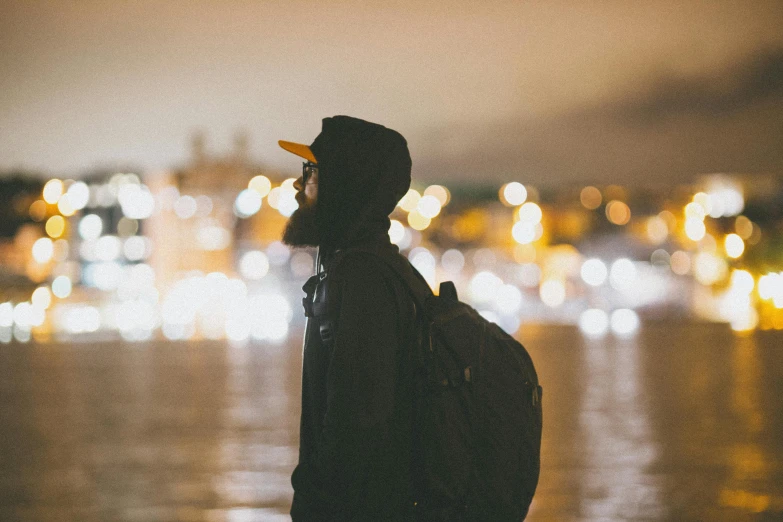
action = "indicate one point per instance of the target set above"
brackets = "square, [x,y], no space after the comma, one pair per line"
[52,191]
[417,221]
[618,212]
[513,194]
[755,236]
[734,246]
[38,210]
[55,226]
[744,227]
[440,192]
[530,213]
[260,184]
[409,200]
[591,198]
[288,184]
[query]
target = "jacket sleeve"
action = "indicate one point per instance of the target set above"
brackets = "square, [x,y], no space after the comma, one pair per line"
[361,379]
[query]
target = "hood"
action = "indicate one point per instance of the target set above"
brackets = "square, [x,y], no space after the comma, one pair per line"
[363,171]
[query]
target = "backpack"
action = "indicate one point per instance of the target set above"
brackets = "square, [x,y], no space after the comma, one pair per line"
[477,410]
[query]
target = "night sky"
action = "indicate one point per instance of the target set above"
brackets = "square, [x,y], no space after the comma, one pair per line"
[544,92]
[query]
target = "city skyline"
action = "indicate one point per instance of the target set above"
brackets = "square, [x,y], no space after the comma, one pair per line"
[543,93]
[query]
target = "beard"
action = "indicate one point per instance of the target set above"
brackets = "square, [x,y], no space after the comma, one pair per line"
[302,228]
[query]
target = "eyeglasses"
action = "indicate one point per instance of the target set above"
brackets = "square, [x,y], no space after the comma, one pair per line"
[308,169]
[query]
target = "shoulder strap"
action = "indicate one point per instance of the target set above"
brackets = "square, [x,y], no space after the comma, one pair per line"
[415,283]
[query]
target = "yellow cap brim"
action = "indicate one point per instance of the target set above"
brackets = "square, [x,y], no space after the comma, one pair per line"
[303,151]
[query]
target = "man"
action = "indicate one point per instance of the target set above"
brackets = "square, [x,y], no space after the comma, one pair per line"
[355,433]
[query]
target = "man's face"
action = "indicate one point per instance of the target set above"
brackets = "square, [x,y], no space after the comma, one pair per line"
[301,229]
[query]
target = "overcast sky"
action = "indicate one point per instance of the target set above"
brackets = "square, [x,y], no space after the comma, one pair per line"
[543,92]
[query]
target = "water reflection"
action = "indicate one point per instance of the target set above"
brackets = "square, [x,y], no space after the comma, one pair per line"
[618,483]
[682,422]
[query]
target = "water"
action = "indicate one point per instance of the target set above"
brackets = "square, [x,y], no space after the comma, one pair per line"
[682,422]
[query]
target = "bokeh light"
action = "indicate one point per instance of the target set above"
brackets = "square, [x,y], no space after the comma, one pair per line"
[43,249]
[254,264]
[591,198]
[418,221]
[552,292]
[260,184]
[440,192]
[52,191]
[410,200]
[694,228]
[61,286]
[593,272]
[396,231]
[530,213]
[248,202]
[624,322]
[618,212]
[734,246]
[513,194]
[90,226]
[185,207]
[428,206]
[594,322]
[55,226]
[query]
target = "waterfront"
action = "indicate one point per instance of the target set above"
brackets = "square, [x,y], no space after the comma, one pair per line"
[680,422]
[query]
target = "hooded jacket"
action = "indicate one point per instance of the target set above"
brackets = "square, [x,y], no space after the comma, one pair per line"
[355,431]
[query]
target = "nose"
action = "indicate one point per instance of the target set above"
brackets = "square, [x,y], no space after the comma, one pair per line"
[299,184]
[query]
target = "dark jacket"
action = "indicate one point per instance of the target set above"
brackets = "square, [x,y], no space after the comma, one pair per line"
[355,433]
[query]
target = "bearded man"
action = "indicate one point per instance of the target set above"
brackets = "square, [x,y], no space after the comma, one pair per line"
[355,450]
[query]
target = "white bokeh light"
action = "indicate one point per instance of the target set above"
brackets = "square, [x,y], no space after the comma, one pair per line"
[593,322]
[483,286]
[248,202]
[396,231]
[452,261]
[185,207]
[428,206]
[254,264]
[594,272]
[136,201]
[524,232]
[43,250]
[79,195]
[61,286]
[90,226]
[624,322]
[514,193]
[622,275]
[552,292]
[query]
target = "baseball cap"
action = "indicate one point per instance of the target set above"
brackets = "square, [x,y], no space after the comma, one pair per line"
[299,149]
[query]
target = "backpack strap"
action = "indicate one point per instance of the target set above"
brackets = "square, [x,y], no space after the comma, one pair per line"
[417,286]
